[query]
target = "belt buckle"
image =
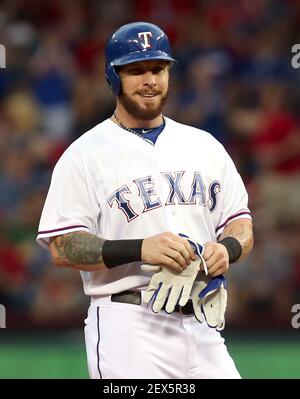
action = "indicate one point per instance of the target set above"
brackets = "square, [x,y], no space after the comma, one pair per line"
[187,309]
[180,310]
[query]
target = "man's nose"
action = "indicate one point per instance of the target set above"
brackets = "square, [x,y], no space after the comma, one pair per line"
[149,78]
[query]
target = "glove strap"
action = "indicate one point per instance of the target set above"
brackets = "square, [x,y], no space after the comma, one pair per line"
[213,285]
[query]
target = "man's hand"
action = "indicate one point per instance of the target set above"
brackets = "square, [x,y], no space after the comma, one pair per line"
[168,249]
[216,258]
[170,287]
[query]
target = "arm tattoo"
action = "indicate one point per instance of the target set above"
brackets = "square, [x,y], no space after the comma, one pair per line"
[80,248]
[241,233]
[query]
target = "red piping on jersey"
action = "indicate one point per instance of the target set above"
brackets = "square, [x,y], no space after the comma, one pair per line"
[62,228]
[232,217]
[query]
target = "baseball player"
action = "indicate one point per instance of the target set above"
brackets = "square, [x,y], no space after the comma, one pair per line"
[142,189]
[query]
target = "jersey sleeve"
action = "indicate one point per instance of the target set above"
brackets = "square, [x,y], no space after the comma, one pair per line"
[234,196]
[71,203]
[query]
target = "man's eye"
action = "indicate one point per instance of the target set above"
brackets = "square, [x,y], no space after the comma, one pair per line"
[134,71]
[157,70]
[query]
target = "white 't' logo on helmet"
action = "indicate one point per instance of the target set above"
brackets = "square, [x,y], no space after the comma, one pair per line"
[145,36]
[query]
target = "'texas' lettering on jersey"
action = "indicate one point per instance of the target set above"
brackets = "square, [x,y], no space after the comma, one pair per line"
[197,194]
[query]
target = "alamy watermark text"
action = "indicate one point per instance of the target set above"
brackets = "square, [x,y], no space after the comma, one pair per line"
[296,58]
[2,56]
[296,318]
[2,316]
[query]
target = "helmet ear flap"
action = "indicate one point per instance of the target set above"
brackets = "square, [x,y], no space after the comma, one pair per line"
[113,80]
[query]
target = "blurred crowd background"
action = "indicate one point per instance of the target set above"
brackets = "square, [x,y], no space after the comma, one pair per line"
[234,79]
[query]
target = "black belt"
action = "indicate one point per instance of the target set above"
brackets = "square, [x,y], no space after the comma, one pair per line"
[135,298]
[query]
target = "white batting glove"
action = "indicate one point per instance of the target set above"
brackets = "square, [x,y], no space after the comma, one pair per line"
[150,268]
[168,286]
[209,297]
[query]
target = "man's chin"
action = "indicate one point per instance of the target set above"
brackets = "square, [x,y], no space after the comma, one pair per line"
[147,111]
[144,113]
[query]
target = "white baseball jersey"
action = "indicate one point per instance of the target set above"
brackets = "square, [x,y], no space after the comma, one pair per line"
[112,183]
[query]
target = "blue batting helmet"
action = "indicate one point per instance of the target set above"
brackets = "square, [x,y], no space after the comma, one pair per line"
[138,41]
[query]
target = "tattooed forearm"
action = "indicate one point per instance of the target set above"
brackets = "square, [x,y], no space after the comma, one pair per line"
[240,229]
[79,250]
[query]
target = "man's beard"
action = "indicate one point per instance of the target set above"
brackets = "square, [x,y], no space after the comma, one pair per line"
[134,109]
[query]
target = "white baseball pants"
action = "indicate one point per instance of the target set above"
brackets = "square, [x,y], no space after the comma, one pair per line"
[127,341]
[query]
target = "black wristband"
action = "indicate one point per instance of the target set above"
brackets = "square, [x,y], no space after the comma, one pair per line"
[119,252]
[233,247]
